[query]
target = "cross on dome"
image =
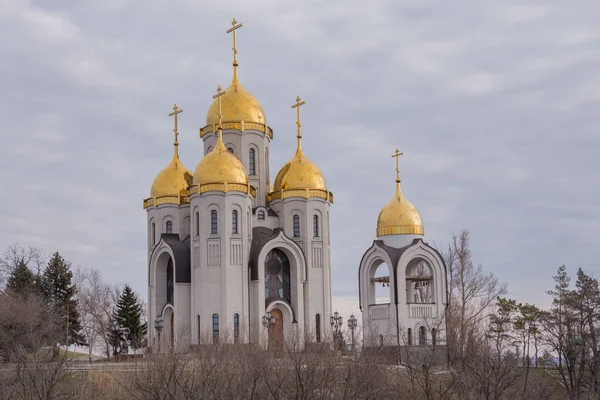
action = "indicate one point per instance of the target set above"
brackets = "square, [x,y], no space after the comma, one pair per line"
[397,155]
[234,27]
[299,103]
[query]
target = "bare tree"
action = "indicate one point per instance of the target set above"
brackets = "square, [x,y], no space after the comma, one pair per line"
[16,254]
[471,294]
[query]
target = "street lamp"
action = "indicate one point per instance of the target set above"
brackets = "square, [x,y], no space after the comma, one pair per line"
[159,324]
[116,336]
[517,344]
[268,320]
[336,322]
[352,323]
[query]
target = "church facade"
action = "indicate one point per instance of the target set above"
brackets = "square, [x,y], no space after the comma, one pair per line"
[234,256]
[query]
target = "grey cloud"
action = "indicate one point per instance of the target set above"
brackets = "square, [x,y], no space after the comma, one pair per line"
[495,107]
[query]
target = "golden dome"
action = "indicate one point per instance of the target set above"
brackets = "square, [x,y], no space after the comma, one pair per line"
[300,177]
[220,170]
[300,173]
[238,105]
[170,185]
[399,217]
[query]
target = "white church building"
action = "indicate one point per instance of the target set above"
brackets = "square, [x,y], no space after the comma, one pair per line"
[236,257]
[227,246]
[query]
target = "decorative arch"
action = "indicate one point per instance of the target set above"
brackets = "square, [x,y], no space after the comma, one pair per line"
[421,251]
[372,259]
[288,317]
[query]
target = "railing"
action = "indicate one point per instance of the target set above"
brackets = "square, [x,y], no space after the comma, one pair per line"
[421,311]
[380,311]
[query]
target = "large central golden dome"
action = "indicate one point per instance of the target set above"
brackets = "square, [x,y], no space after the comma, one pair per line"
[399,217]
[238,105]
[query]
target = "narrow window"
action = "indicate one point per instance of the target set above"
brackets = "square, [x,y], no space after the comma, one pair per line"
[433,336]
[318,327]
[208,150]
[198,328]
[267,162]
[230,150]
[261,215]
[296,226]
[169,227]
[153,239]
[215,328]
[315,225]
[197,223]
[214,226]
[409,337]
[252,162]
[234,222]
[422,337]
[236,328]
[380,340]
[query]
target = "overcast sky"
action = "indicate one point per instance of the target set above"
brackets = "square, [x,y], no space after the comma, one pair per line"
[496,106]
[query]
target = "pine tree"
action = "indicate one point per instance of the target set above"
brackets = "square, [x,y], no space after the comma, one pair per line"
[128,314]
[59,292]
[21,280]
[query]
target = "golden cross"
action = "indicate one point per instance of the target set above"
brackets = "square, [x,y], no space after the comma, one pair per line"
[299,102]
[176,110]
[397,155]
[220,92]
[234,26]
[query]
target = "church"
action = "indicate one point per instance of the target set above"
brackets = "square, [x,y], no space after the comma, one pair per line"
[236,257]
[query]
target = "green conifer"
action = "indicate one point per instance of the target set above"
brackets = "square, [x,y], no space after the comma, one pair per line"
[59,293]
[128,314]
[21,280]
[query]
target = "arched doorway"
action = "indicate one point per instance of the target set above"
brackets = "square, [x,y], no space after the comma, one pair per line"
[276,331]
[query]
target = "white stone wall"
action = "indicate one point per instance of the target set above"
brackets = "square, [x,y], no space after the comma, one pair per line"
[317,290]
[220,264]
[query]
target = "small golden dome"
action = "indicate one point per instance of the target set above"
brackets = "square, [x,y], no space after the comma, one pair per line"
[399,217]
[172,181]
[220,167]
[238,105]
[300,173]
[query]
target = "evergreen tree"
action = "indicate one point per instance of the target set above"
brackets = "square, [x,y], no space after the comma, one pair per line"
[59,292]
[21,280]
[128,314]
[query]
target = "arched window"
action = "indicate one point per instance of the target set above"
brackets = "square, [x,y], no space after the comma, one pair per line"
[380,290]
[198,330]
[296,225]
[434,336]
[169,227]
[419,282]
[277,277]
[215,328]
[236,328]
[230,150]
[267,162]
[380,340]
[261,215]
[315,225]
[197,223]
[252,162]
[208,150]
[214,222]
[409,337]
[153,238]
[234,222]
[422,336]
[318,327]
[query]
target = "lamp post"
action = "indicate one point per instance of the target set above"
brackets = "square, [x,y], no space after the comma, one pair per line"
[336,322]
[352,323]
[517,344]
[116,336]
[268,321]
[159,324]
